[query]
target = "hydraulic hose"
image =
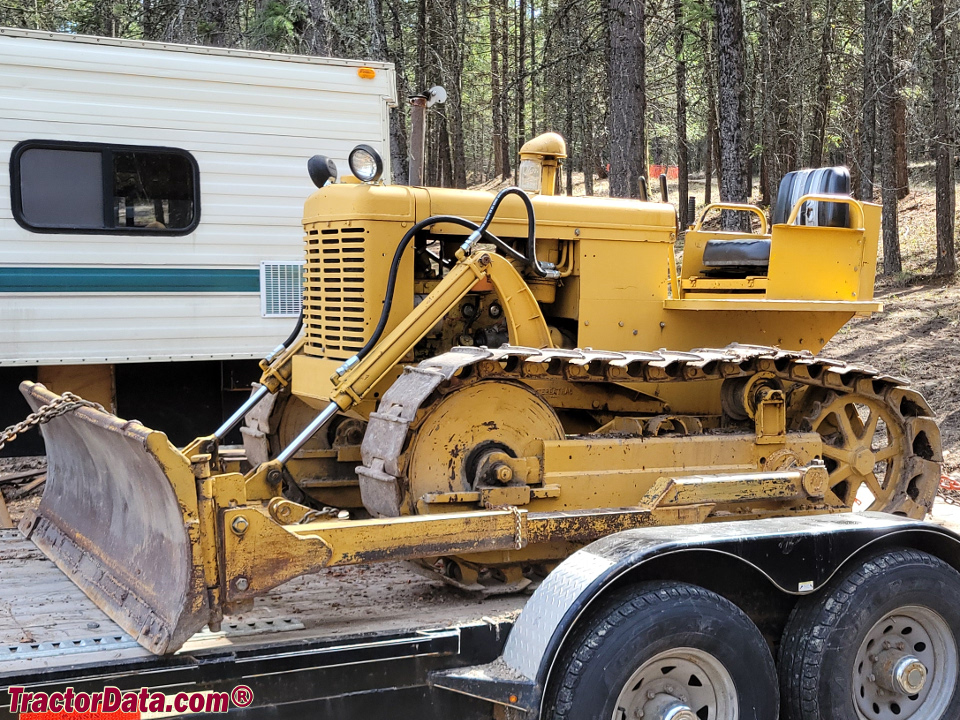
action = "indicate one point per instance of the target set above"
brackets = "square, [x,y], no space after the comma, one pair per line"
[296,330]
[479,231]
[392,281]
[531,257]
[290,338]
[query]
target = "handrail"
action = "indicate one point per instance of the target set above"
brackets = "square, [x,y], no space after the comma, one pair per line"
[824,197]
[745,207]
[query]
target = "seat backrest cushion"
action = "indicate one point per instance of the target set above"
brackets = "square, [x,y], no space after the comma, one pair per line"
[796,184]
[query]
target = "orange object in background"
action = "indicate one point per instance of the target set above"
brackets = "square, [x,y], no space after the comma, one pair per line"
[672,171]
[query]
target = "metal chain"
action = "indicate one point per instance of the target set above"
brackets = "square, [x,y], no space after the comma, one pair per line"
[327,513]
[44,414]
[518,529]
[518,539]
[949,489]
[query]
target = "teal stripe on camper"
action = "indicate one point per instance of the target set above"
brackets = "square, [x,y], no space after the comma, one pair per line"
[128,280]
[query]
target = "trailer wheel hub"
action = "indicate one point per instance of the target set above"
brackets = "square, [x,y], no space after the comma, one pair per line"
[905,667]
[666,707]
[679,684]
[909,675]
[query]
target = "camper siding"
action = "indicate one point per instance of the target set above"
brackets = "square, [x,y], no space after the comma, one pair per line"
[250,120]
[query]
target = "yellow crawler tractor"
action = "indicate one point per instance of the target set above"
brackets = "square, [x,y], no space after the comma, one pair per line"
[480,385]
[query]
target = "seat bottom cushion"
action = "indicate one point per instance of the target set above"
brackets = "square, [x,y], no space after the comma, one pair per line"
[746,253]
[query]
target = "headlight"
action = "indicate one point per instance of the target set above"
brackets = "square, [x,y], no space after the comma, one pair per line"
[365,163]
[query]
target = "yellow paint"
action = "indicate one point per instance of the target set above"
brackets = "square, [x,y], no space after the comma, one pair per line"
[92,382]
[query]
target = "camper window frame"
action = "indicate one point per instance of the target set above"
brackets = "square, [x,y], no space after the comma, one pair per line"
[106,150]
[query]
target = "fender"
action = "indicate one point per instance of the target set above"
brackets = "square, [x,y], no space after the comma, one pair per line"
[797,555]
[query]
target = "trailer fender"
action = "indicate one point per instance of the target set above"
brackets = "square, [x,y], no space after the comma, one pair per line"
[797,555]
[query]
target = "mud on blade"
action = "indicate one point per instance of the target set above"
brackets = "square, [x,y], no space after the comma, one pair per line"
[119,517]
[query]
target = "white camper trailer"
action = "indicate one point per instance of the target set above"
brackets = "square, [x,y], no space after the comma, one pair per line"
[150,210]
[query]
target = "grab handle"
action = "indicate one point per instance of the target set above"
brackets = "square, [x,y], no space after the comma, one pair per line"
[744,207]
[822,197]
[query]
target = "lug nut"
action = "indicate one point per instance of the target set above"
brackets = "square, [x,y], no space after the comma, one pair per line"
[241,583]
[240,525]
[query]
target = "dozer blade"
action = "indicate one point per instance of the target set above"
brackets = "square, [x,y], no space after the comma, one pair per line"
[119,517]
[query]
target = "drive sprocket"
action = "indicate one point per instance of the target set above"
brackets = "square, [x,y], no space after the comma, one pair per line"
[866,448]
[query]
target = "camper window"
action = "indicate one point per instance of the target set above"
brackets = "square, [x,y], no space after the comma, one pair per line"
[100,188]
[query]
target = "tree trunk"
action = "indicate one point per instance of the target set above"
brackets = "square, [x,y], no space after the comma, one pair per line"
[900,142]
[822,108]
[764,181]
[533,69]
[708,153]
[316,39]
[627,124]
[734,183]
[399,148]
[455,121]
[522,73]
[419,77]
[683,149]
[376,47]
[222,19]
[496,94]
[568,119]
[152,26]
[943,141]
[449,20]
[505,85]
[768,134]
[589,154]
[888,175]
[868,135]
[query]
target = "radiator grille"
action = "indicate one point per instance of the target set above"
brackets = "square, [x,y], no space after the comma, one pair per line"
[281,288]
[335,292]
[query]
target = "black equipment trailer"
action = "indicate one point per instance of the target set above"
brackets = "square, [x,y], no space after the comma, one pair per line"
[846,616]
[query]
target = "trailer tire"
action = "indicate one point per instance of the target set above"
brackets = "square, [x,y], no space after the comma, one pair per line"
[699,648]
[892,607]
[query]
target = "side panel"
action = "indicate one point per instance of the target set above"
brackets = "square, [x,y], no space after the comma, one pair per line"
[250,122]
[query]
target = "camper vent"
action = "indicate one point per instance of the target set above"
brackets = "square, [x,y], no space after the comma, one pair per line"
[281,288]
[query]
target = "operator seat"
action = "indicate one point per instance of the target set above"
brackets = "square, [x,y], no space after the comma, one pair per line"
[751,256]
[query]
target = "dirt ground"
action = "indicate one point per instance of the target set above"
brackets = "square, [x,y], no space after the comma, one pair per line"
[915,337]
